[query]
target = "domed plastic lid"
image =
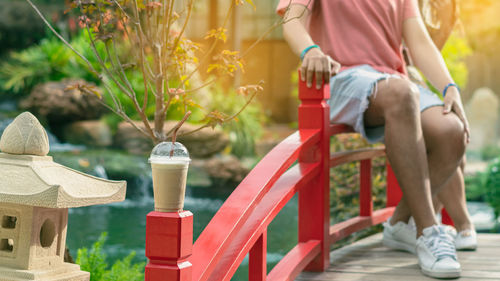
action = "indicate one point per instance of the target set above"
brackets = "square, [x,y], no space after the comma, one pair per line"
[168,152]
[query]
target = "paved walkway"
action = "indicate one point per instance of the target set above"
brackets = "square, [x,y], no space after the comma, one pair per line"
[368,259]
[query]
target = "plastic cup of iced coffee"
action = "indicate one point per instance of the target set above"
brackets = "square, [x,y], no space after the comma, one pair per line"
[169,163]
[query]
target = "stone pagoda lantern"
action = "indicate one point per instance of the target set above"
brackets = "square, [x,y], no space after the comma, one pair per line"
[35,194]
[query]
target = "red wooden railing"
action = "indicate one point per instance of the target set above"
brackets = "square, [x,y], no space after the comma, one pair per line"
[240,226]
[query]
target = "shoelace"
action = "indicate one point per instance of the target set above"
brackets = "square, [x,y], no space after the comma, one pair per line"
[441,245]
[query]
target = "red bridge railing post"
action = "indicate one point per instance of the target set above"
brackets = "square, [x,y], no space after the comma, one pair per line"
[314,200]
[169,244]
[257,267]
[365,192]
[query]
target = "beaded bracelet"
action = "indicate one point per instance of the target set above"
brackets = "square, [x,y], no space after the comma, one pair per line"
[304,52]
[448,86]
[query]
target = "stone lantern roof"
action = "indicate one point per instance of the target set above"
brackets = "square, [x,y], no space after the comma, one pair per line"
[31,178]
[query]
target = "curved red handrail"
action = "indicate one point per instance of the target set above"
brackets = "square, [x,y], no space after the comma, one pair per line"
[350,226]
[295,261]
[285,188]
[217,236]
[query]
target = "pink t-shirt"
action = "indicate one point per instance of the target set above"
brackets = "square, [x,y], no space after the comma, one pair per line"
[355,32]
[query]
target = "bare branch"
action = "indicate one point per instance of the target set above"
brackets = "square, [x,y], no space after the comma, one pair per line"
[178,126]
[201,86]
[195,130]
[232,117]
[188,16]
[212,47]
[120,113]
[122,10]
[117,67]
[103,64]
[62,38]
[242,108]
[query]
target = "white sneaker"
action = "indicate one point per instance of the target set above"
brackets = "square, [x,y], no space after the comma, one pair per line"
[399,236]
[450,230]
[436,253]
[466,240]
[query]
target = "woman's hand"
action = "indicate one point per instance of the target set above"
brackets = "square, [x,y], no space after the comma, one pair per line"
[453,103]
[317,64]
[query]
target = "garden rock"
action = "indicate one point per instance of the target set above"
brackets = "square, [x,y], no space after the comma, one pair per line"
[482,113]
[202,144]
[272,135]
[58,102]
[226,172]
[92,133]
[130,139]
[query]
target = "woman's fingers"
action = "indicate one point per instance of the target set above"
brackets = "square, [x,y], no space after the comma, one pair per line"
[328,70]
[319,73]
[459,111]
[318,67]
[307,71]
[335,66]
[310,73]
[303,70]
[447,106]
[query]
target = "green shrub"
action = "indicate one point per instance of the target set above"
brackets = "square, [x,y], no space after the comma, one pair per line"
[94,261]
[492,185]
[243,130]
[489,152]
[47,61]
[50,60]
[344,187]
[344,180]
[475,187]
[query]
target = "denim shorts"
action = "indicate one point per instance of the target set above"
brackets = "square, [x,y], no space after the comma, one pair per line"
[349,98]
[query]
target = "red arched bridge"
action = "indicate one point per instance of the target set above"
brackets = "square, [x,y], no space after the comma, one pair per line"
[299,164]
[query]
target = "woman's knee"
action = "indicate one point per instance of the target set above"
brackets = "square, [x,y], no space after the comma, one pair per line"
[455,132]
[402,98]
[451,137]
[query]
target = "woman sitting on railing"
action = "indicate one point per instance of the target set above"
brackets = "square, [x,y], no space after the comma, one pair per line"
[361,42]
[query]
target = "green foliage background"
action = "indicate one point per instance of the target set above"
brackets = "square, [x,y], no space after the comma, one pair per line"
[454,53]
[491,183]
[51,60]
[93,260]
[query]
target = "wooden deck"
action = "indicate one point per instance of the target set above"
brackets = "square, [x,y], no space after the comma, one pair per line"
[368,259]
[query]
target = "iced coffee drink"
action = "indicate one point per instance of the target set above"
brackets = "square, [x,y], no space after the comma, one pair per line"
[169,162]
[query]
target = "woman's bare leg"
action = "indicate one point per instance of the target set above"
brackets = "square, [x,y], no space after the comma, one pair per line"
[452,196]
[396,105]
[424,149]
[445,146]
